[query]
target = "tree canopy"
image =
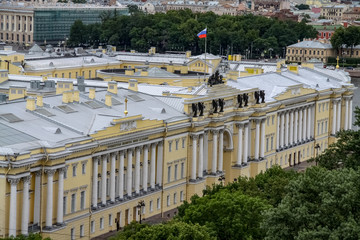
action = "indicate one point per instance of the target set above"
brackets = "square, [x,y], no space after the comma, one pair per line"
[177,31]
[348,37]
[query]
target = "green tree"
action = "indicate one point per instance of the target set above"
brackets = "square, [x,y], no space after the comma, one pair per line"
[337,39]
[320,204]
[231,215]
[174,230]
[78,33]
[31,236]
[302,6]
[345,152]
[351,37]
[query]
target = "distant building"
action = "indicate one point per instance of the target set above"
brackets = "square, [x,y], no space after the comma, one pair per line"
[352,14]
[334,12]
[26,23]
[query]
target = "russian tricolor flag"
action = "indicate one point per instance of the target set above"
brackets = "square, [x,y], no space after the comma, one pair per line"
[202,34]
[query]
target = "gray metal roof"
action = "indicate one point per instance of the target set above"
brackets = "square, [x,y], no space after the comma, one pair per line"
[312,44]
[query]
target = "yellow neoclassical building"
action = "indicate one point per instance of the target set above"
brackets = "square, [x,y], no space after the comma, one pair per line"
[72,163]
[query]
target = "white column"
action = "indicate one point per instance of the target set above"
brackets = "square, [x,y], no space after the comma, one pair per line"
[246,143]
[346,122]
[300,125]
[129,172]
[201,156]
[262,139]
[60,201]
[282,129]
[278,131]
[333,130]
[312,120]
[25,207]
[221,150]
[152,166]
[287,128]
[112,177]
[95,183]
[194,155]
[257,139]
[308,128]
[338,120]
[240,144]
[137,170]
[291,127]
[296,126]
[145,167]
[350,113]
[13,206]
[49,198]
[304,124]
[121,175]
[206,151]
[159,171]
[37,197]
[103,179]
[214,150]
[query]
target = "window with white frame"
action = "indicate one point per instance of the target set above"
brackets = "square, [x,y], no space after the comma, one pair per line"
[175,172]
[101,223]
[82,200]
[82,234]
[74,170]
[181,196]
[92,226]
[151,206]
[170,144]
[64,205]
[272,142]
[73,202]
[168,200]
[182,169]
[110,219]
[158,203]
[175,198]
[169,174]
[83,168]
[65,173]
[177,144]
[183,143]
[72,233]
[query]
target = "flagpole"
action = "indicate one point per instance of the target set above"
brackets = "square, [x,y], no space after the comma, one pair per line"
[205,56]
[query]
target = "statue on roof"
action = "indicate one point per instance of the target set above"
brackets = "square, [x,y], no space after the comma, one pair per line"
[240,100]
[215,79]
[221,104]
[201,107]
[215,106]
[194,109]
[246,99]
[262,96]
[257,97]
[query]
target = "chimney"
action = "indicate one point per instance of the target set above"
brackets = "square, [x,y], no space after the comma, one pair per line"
[133,85]
[92,93]
[67,97]
[30,103]
[76,96]
[112,87]
[188,54]
[39,101]
[108,101]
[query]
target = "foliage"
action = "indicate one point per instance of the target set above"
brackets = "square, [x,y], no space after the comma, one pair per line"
[31,236]
[345,152]
[320,204]
[302,6]
[230,214]
[177,31]
[174,230]
[348,37]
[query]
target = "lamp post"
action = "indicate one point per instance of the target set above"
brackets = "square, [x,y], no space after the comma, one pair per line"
[270,50]
[139,206]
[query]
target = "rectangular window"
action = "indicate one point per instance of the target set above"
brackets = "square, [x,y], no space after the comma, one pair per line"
[323,107]
[177,144]
[69,75]
[267,144]
[170,143]
[267,121]
[169,174]
[326,126]
[62,75]
[182,170]
[168,200]
[73,202]
[272,120]
[322,127]
[74,170]
[83,168]
[319,107]
[82,202]
[82,231]
[158,203]
[72,233]
[272,142]
[175,198]
[64,205]
[183,143]
[110,219]
[151,206]
[175,172]
[101,223]
[318,129]
[92,226]
[181,196]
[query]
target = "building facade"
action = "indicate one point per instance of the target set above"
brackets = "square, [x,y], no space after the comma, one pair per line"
[72,163]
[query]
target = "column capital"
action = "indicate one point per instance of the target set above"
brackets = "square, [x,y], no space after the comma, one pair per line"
[62,170]
[26,179]
[96,159]
[130,150]
[146,146]
[214,131]
[38,173]
[50,172]
[160,144]
[194,136]
[13,181]
[139,148]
